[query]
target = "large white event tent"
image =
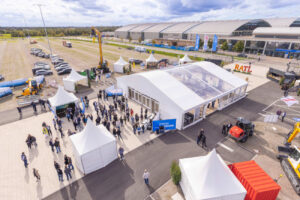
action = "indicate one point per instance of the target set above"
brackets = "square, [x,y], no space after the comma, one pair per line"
[73,79]
[151,61]
[184,92]
[119,65]
[208,177]
[185,60]
[94,147]
[62,99]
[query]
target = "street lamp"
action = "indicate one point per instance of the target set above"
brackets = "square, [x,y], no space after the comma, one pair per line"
[40,5]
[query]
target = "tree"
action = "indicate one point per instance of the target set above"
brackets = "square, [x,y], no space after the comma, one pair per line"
[201,43]
[140,40]
[239,46]
[153,42]
[210,43]
[175,173]
[224,46]
[129,38]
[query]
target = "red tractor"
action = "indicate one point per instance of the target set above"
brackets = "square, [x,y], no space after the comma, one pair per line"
[242,130]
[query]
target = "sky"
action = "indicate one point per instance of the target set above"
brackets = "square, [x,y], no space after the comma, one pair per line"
[122,12]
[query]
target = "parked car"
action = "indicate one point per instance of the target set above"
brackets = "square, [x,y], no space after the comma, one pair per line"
[43,72]
[40,67]
[1,77]
[47,55]
[62,67]
[164,60]
[57,61]
[41,54]
[60,64]
[65,71]
[242,55]
[136,61]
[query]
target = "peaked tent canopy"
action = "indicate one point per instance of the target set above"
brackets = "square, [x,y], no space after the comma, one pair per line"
[185,59]
[72,79]
[93,148]
[208,177]
[62,97]
[118,66]
[151,59]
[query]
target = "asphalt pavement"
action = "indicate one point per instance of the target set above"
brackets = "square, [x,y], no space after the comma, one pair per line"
[123,180]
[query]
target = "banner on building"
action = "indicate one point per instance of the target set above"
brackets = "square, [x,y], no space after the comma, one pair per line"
[168,124]
[197,42]
[205,44]
[215,43]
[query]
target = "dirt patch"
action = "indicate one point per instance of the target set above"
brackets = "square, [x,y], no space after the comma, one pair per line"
[167,191]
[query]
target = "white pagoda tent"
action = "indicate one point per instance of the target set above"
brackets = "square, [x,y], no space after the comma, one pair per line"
[62,98]
[94,148]
[73,79]
[118,66]
[208,177]
[185,59]
[151,61]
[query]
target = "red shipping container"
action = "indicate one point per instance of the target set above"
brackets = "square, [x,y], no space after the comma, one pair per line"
[259,185]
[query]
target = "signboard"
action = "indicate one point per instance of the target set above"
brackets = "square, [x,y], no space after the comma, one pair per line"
[242,68]
[197,42]
[271,118]
[215,43]
[289,100]
[205,44]
[83,106]
[296,119]
[169,124]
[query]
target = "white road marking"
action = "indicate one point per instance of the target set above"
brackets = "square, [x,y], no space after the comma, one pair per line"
[270,105]
[225,147]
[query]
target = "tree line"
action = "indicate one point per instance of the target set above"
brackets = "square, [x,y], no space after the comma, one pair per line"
[53,31]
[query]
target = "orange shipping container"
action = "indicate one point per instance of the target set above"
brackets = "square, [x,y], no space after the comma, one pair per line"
[259,185]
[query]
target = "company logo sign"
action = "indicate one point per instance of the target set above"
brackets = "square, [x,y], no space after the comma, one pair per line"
[242,68]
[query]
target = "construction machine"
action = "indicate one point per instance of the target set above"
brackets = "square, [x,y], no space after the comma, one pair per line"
[102,64]
[290,162]
[242,130]
[32,88]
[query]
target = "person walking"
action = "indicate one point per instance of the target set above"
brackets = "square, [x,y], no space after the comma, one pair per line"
[49,130]
[143,128]
[24,159]
[28,141]
[204,142]
[20,111]
[70,164]
[54,123]
[283,116]
[68,173]
[56,165]
[34,107]
[66,160]
[60,175]
[278,113]
[61,130]
[57,145]
[200,136]
[45,131]
[36,174]
[224,129]
[51,144]
[119,134]
[121,152]
[146,176]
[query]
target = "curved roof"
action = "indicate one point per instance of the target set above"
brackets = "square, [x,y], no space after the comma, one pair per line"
[217,27]
[141,27]
[127,27]
[180,27]
[294,31]
[158,27]
[280,22]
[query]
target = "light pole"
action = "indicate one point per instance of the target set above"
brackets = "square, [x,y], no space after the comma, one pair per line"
[40,5]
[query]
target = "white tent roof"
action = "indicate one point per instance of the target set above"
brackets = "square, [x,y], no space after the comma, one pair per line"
[91,138]
[74,76]
[62,97]
[185,59]
[151,58]
[121,61]
[209,177]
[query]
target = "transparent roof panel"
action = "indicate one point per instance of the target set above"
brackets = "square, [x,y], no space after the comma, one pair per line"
[209,78]
[194,83]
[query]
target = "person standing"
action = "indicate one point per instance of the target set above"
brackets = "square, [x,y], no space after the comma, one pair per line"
[146,177]
[49,130]
[121,152]
[200,136]
[70,164]
[45,132]
[54,124]
[278,113]
[224,129]
[36,174]
[68,173]
[60,129]
[20,111]
[57,145]
[51,144]
[24,159]
[204,142]
[60,175]
[66,160]
[56,165]
[34,107]
[28,141]
[283,116]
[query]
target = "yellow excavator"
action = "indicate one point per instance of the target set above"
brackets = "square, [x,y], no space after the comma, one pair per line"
[291,162]
[102,64]
[32,88]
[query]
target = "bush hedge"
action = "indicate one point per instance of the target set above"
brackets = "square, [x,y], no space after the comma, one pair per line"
[175,173]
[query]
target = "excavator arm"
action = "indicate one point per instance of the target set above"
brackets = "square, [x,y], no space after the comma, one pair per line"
[294,132]
[98,33]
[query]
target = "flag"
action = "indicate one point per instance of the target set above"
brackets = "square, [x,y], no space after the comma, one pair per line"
[197,42]
[206,38]
[215,43]
[133,65]
[83,106]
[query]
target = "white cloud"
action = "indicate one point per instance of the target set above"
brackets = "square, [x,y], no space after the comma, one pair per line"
[121,12]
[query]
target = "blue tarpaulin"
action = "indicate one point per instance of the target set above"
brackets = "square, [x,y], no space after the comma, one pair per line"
[5,91]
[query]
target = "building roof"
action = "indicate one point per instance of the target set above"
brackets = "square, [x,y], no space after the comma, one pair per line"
[280,22]
[180,27]
[141,27]
[217,27]
[127,27]
[158,27]
[291,31]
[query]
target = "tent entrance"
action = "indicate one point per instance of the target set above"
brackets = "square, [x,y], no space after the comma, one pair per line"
[194,115]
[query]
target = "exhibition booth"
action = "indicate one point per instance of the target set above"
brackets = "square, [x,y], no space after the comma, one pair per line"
[151,62]
[208,177]
[61,101]
[93,148]
[184,92]
[74,79]
[119,65]
[185,60]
